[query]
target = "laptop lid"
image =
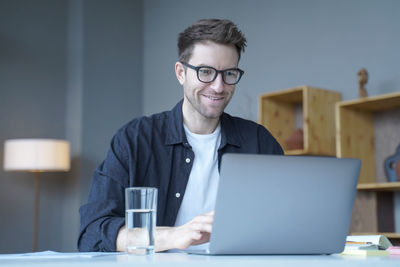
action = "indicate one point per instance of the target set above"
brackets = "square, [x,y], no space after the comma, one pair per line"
[269,204]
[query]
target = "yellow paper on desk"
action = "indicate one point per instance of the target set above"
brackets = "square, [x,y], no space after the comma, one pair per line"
[364,252]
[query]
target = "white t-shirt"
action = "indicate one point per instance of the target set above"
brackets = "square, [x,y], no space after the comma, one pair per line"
[201,189]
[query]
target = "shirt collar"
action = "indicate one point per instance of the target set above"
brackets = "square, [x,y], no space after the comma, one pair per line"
[229,131]
[176,133]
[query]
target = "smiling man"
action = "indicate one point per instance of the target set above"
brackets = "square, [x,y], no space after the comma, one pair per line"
[178,151]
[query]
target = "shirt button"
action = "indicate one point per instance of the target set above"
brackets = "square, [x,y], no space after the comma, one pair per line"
[178,195]
[187,160]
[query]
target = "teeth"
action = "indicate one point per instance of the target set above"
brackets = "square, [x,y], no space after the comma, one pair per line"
[213,98]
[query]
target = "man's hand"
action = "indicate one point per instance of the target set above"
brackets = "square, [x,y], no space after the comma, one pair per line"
[195,232]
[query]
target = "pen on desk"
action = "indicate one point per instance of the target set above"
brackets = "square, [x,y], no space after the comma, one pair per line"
[358,243]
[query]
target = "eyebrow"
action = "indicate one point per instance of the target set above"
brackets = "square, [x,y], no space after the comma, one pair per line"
[204,65]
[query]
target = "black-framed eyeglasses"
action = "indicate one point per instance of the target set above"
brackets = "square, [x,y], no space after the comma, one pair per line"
[208,74]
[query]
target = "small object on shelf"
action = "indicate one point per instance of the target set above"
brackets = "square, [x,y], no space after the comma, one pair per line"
[295,141]
[398,169]
[362,81]
[392,166]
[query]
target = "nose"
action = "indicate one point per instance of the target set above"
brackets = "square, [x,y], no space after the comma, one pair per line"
[218,84]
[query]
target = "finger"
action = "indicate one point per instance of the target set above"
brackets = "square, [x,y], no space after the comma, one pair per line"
[196,235]
[201,227]
[205,237]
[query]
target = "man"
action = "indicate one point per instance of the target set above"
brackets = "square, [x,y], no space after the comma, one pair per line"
[177,151]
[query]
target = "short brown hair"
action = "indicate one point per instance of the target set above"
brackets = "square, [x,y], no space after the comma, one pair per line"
[220,31]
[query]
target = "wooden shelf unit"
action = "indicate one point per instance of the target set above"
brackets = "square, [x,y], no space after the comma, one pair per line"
[355,130]
[353,136]
[277,114]
[373,207]
[381,187]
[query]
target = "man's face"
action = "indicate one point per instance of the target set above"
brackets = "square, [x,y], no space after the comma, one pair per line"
[207,99]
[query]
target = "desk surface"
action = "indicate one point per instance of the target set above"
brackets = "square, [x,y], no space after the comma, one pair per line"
[180,259]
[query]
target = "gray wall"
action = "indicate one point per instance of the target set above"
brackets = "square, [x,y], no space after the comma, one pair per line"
[80,69]
[316,42]
[68,69]
[32,101]
[112,81]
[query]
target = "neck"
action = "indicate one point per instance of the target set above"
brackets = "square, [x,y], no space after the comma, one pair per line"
[198,124]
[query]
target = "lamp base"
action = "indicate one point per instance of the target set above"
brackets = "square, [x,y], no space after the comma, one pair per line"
[36,213]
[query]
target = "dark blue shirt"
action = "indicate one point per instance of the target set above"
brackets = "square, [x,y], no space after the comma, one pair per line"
[153,151]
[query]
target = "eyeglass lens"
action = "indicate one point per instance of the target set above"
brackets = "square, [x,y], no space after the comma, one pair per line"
[206,74]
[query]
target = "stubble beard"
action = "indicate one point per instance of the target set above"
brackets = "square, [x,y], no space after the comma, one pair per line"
[206,111]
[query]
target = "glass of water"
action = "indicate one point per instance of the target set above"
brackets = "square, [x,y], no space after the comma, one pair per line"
[140,219]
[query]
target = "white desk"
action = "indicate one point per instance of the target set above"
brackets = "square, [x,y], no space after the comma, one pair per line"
[178,260]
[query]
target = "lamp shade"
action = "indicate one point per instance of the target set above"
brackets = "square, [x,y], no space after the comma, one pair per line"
[36,155]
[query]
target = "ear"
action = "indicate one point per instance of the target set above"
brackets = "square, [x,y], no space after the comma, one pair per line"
[180,72]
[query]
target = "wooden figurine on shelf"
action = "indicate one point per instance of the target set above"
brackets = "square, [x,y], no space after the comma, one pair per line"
[362,81]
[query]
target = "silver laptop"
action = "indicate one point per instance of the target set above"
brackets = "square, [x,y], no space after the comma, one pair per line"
[268,204]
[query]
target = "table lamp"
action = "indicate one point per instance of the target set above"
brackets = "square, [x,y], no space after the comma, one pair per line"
[36,155]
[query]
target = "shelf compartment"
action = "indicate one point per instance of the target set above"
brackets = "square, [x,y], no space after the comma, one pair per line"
[355,130]
[277,112]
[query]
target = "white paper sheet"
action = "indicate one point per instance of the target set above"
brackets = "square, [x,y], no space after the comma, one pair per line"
[56,255]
